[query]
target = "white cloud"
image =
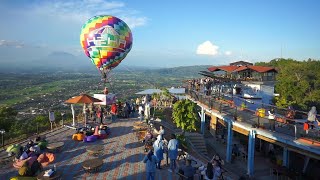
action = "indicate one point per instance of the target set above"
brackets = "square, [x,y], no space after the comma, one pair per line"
[207,48]
[8,43]
[228,53]
[80,11]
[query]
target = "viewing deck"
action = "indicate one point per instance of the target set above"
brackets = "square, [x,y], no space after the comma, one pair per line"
[288,134]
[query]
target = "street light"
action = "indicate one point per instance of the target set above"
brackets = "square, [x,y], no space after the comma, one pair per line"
[2,132]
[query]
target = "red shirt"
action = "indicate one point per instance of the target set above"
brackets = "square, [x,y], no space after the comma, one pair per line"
[113,109]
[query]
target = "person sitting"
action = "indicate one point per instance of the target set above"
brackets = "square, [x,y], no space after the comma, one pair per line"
[207,172]
[102,129]
[217,170]
[148,136]
[290,114]
[188,170]
[217,158]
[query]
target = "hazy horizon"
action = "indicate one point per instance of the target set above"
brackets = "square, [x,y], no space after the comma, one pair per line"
[206,33]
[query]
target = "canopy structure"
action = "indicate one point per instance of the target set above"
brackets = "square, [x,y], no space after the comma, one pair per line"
[171,90]
[82,99]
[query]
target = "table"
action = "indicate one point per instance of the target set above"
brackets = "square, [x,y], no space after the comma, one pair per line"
[57,146]
[56,175]
[92,165]
[95,150]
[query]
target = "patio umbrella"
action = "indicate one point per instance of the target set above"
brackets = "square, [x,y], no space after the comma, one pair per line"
[82,99]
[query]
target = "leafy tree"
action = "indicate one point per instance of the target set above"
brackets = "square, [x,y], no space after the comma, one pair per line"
[185,115]
[298,83]
[7,117]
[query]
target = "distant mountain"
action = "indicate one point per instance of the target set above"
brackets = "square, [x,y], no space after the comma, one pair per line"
[183,71]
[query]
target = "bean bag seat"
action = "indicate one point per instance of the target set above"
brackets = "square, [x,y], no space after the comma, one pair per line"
[24,171]
[43,144]
[23,178]
[102,136]
[46,158]
[91,138]
[19,162]
[78,136]
[14,148]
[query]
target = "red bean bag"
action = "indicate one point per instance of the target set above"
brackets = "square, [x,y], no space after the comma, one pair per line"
[102,136]
[46,158]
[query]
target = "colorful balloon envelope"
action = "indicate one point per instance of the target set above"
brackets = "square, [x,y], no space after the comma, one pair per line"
[106,40]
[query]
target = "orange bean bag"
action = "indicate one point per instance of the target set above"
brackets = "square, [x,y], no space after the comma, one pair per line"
[78,137]
[46,158]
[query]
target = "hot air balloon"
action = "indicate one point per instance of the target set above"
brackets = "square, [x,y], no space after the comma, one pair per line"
[106,40]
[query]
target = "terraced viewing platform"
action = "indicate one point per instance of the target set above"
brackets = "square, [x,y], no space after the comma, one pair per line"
[122,155]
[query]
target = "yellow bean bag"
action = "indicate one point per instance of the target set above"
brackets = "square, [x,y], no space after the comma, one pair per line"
[23,178]
[78,137]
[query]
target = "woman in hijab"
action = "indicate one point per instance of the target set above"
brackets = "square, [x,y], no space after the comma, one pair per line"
[158,150]
[312,115]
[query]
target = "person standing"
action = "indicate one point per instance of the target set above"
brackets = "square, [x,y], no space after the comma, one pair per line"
[271,119]
[114,111]
[158,150]
[173,152]
[312,115]
[151,161]
[141,112]
[160,132]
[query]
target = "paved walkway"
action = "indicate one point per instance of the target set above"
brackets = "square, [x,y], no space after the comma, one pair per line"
[122,156]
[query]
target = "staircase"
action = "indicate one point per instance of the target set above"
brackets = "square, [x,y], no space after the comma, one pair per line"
[198,142]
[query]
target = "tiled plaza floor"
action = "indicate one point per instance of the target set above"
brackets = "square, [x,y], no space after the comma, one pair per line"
[122,157]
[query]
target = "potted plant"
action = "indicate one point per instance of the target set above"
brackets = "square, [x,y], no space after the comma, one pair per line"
[243,106]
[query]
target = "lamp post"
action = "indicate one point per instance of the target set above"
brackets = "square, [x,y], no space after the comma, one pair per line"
[2,132]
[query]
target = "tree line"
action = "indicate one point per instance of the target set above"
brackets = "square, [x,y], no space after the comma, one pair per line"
[297,83]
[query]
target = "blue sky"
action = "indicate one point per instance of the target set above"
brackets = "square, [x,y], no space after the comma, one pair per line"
[167,33]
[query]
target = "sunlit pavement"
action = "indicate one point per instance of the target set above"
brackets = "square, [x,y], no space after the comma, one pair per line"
[122,156]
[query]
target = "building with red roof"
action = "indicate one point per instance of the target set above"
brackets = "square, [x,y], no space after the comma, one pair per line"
[245,71]
[250,81]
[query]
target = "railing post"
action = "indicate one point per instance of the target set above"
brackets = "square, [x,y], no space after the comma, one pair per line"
[251,149]
[229,142]
[295,131]
[285,158]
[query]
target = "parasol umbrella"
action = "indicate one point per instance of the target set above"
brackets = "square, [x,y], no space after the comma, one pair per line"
[82,99]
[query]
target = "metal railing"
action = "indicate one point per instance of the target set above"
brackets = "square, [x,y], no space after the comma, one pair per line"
[246,110]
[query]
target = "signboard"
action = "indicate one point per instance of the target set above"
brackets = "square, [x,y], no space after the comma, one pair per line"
[107,99]
[51,116]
